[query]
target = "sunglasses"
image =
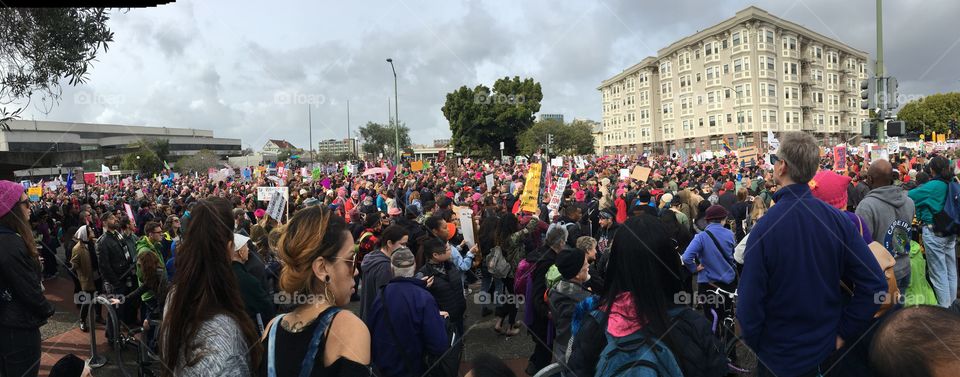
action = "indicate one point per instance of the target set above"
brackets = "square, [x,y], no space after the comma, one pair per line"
[352,261]
[774,159]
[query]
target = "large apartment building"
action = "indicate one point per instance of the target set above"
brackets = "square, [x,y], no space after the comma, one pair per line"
[735,80]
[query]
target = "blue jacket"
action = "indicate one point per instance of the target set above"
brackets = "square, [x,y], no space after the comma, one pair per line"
[416,321]
[791,307]
[717,264]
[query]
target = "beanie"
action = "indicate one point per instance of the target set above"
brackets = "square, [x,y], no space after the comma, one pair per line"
[831,188]
[716,212]
[569,262]
[10,193]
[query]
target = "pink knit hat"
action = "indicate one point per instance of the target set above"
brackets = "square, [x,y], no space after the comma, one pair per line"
[831,188]
[9,196]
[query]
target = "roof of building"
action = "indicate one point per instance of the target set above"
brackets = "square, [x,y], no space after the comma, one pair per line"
[282,144]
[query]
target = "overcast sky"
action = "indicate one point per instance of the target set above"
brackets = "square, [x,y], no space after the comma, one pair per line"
[249,72]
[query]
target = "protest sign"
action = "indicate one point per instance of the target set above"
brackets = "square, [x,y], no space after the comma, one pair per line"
[531,189]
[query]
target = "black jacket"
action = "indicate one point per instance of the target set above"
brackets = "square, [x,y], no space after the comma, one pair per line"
[573,230]
[545,257]
[695,347]
[22,304]
[116,261]
[447,288]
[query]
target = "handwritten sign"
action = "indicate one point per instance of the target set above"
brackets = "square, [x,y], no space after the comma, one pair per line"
[489,179]
[34,193]
[747,156]
[557,194]
[265,194]
[531,189]
[126,206]
[640,173]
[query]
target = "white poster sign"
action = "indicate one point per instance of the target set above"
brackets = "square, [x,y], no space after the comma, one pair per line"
[466,224]
[264,193]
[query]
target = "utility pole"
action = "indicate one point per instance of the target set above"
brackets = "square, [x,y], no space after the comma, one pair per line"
[881,83]
[310,122]
[353,148]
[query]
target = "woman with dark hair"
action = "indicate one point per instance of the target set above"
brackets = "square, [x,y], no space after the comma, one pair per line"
[375,266]
[642,284]
[23,308]
[206,329]
[317,338]
[509,238]
[941,254]
[486,234]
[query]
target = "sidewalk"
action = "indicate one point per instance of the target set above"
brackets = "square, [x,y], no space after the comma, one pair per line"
[61,335]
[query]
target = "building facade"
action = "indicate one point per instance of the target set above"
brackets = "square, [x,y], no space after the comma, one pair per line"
[336,147]
[558,117]
[275,146]
[42,136]
[735,81]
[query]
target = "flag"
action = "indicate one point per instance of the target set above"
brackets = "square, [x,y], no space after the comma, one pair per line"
[69,182]
[166,165]
[726,147]
[104,170]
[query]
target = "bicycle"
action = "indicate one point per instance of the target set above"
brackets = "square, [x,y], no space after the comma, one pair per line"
[146,358]
[725,328]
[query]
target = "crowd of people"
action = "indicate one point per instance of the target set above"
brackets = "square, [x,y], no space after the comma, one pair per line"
[842,271]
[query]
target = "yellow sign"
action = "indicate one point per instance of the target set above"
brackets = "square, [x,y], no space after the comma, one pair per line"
[416,165]
[34,193]
[531,189]
[748,155]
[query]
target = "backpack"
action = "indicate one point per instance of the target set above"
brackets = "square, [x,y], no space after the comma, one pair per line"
[522,277]
[497,264]
[635,355]
[947,221]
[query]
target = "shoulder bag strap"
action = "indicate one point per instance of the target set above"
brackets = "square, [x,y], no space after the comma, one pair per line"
[720,250]
[393,333]
[306,366]
[272,346]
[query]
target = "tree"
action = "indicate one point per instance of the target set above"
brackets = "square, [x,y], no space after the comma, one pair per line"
[148,156]
[376,135]
[199,162]
[481,118]
[931,113]
[41,46]
[574,138]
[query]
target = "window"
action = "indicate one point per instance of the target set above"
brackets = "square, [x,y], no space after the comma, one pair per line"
[698,74]
[736,38]
[696,54]
[817,52]
[699,100]
[768,34]
[665,88]
[713,121]
[710,97]
[771,90]
[773,116]
[726,69]
[786,116]
[726,93]
[729,118]
[789,68]
[789,43]
[763,116]
[740,117]
[737,65]
[767,62]
[724,42]
[701,122]
[709,73]
[796,117]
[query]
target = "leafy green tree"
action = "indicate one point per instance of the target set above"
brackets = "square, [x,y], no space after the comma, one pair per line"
[481,118]
[147,157]
[39,47]
[931,113]
[376,135]
[568,139]
[198,162]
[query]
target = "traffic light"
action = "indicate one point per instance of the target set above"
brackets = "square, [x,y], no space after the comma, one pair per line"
[549,138]
[869,129]
[891,93]
[868,93]
[896,128]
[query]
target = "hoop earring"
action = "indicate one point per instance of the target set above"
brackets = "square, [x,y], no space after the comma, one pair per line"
[328,295]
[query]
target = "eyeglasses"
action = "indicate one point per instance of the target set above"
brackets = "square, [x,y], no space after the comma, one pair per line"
[352,261]
[774,159]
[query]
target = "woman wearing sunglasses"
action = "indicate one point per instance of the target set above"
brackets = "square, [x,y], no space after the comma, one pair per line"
[23,309]
[317,338]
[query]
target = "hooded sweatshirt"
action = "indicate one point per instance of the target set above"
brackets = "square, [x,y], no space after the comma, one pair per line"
[929,199]
[375,272]
[888,211]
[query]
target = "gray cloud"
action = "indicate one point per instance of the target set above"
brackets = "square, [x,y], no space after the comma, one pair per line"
[247,74]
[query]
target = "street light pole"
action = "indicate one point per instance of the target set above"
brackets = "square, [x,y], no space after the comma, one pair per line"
[396,112]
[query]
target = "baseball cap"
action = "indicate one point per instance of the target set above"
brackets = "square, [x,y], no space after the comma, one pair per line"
[402,258]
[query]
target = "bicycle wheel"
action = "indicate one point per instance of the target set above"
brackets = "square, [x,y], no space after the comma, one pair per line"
[550,370]
[735,363]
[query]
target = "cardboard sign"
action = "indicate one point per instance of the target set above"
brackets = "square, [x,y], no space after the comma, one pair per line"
[747,156]
[465,215]
[34,193]
[640,173]
[531,189]
[557,194]
[265,194]
[489,179]
[416,165]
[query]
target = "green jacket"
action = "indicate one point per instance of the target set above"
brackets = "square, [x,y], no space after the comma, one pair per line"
[144,245]
[255,299]
[929,199]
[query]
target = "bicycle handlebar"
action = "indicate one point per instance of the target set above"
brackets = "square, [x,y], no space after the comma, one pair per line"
[720,291]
